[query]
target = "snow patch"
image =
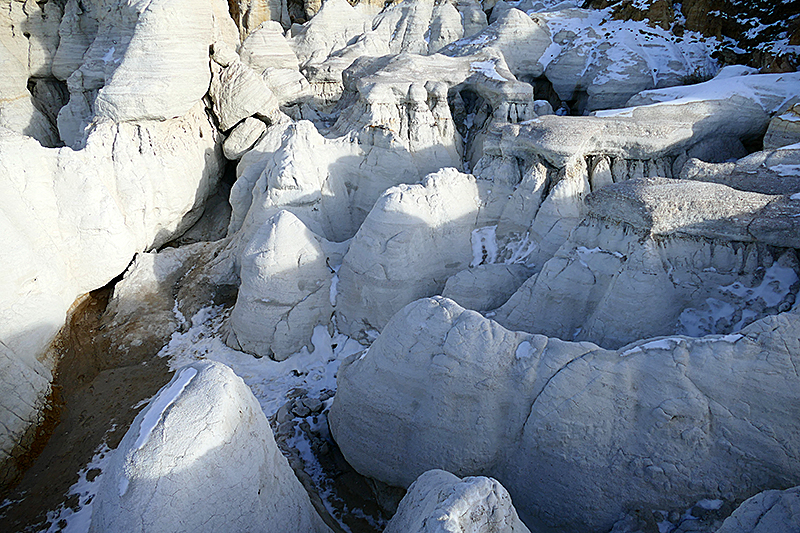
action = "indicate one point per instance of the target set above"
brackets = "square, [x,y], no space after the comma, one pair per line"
[77,519]
[484,245]
[710,505]
[488,69]
[334,289]
[787,170]
[269,380]
[660,344]
[524,350]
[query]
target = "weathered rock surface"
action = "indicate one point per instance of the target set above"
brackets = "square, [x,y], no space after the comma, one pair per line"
[285,288]
[238,92]
[775,172]
[268,53]
[243,136]
[659,423]
[770,511]
[74,222]
[784,129]
[23,58]
[330,184]
[266,47]
[201,456]
[591,60]
[414,238]
[664,122]
[662,207]
[340,34]
[486,286]
[130,63]
[473,362]
[440,502]
[616,280]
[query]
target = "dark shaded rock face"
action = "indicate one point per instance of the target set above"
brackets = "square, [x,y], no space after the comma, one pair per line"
[760,33]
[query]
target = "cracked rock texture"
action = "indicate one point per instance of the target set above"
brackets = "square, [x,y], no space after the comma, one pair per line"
[584,431]
[201,456]
[285,285]
[766,512]
[440,502]
[74,222]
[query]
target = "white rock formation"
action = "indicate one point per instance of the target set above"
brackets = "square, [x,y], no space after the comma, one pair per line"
[22,59]
[243,136]
[330,184]
[267,52]
[201,457]
[768,172]
[414,238]
[440,502]
[770,511]
[238,92]
[340,34]
[113,71]
[74,221]
[679,257]
[285,288]
[485,287]
[588,56]
[387,399]
[576,434]
[266,47]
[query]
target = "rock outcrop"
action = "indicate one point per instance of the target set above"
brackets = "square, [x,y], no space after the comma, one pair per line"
[590,60]
[412,241]
[440,502]
[584,433]
[768,511]
[147,161]
[75,221]
[658,257]
[285,288]
[201,456]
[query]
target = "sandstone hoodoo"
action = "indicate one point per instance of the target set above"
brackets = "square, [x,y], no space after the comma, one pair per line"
[405,266]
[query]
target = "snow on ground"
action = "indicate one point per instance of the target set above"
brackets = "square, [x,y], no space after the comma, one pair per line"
[77,519]
[601,36]
[269,380]
[484,245]
[770,91]
[744,304]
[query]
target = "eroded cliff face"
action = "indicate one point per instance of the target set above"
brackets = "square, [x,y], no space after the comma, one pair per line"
[549,248]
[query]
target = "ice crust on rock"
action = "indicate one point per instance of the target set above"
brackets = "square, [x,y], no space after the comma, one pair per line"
[202,456]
